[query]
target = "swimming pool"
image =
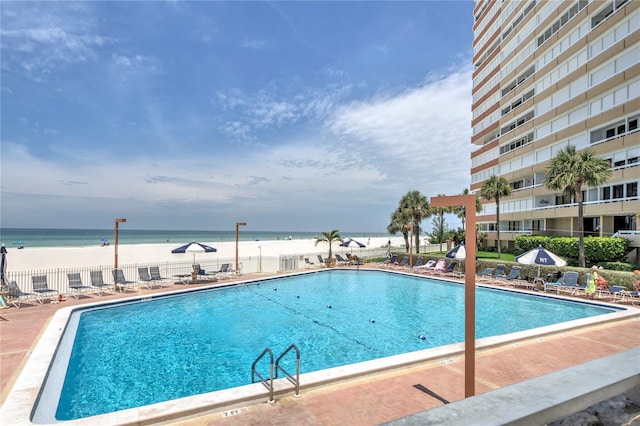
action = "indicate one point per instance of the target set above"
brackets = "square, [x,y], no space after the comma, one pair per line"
[202,341]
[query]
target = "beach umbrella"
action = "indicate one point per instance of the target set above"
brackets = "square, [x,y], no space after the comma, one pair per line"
[351,242]
[194,247]
[458,252]
[540,256]
[3,264]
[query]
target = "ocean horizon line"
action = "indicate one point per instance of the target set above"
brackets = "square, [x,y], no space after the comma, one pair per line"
[65,237]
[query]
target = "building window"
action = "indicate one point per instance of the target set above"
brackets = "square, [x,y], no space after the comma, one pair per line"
[537,225]
[632,189]
[618,191]
[566,17]
[518,81]
[519,101]
[517,123]
[608,10]
[615,130]
[606,193]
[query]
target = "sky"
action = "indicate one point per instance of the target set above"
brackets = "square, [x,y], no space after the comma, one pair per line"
[289,116]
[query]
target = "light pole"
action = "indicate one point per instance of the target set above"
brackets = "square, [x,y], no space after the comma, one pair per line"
[260,259]
[238,225]
[468,201]
[115,248]
[410,228]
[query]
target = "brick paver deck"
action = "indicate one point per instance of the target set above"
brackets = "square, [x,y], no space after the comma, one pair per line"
[369,400]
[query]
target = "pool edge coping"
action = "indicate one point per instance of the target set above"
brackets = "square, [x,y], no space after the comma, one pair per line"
[18,407]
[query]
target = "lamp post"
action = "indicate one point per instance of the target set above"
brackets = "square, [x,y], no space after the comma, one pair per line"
[410,228]
[238,225]
[115,239]
[260,259]
[468,201]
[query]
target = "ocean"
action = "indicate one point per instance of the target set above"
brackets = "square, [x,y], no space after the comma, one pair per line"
[24,237]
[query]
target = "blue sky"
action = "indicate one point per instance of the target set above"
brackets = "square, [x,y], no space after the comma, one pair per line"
[300,116]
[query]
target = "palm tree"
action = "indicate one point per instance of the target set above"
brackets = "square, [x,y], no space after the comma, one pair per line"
[441,222]
[329,237]
[460,211]
[414,207]
[493,189]
[398,221]
[569,171]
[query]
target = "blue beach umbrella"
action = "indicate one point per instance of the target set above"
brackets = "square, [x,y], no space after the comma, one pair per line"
[540,256]
[350,242]
[458,252]
[194,247]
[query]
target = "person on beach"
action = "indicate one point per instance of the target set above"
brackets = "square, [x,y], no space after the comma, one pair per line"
[590,290]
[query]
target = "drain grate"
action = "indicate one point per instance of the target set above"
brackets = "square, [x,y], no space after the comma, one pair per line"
[431,393]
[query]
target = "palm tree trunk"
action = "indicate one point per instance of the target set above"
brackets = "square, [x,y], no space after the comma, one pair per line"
[416,235]
[581,258]
[498,227]
[405,234]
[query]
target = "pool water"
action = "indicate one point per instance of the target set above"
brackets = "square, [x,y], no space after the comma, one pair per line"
[140,353]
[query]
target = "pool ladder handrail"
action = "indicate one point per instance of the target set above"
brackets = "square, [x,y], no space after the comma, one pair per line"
[294,380]
[269,384]
[254,372]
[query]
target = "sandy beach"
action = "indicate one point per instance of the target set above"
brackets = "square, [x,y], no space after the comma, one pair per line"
[39,258]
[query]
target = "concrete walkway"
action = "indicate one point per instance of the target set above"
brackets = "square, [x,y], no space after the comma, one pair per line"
[365,401]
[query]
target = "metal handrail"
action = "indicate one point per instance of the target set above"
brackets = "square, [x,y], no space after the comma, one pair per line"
[295,381]
[254,372]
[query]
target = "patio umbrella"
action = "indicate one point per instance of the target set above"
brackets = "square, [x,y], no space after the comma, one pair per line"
[540,256]
[3,264]
[194,247]
[458,252]
[350,243]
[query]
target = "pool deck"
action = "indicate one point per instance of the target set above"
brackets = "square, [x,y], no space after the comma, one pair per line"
[363,401]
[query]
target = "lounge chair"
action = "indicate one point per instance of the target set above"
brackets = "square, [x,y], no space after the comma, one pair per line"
[353,259]
[573,290]
[341,260]
[144,278]
[402,263]
[448,270]
[76,286]
[225,270]
[612,292]
[419,262]
[121,282]
[321,261]
[440,266]
[154,272]
[97,282]
[500,272]
[485,277]
[42,289]
[17,296]
[391,261]
[513,278]
[308,263]
[568,280]
[425,267]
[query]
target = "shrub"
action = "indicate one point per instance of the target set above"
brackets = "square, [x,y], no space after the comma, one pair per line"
[596,249]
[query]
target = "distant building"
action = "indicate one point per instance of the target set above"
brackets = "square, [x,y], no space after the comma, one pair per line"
[549,74]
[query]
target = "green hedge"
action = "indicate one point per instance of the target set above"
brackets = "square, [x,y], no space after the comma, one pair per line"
[596,249]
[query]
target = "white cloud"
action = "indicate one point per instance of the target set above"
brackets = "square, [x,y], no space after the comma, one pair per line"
[359,164]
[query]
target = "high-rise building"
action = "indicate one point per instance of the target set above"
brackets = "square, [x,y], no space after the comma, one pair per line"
[549,74]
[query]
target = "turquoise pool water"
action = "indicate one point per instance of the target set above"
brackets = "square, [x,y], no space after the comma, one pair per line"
[134,354]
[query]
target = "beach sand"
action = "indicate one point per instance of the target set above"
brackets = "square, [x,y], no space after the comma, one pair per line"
[38,258]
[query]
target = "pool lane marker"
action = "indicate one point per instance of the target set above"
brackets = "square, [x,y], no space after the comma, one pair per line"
[431,393]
